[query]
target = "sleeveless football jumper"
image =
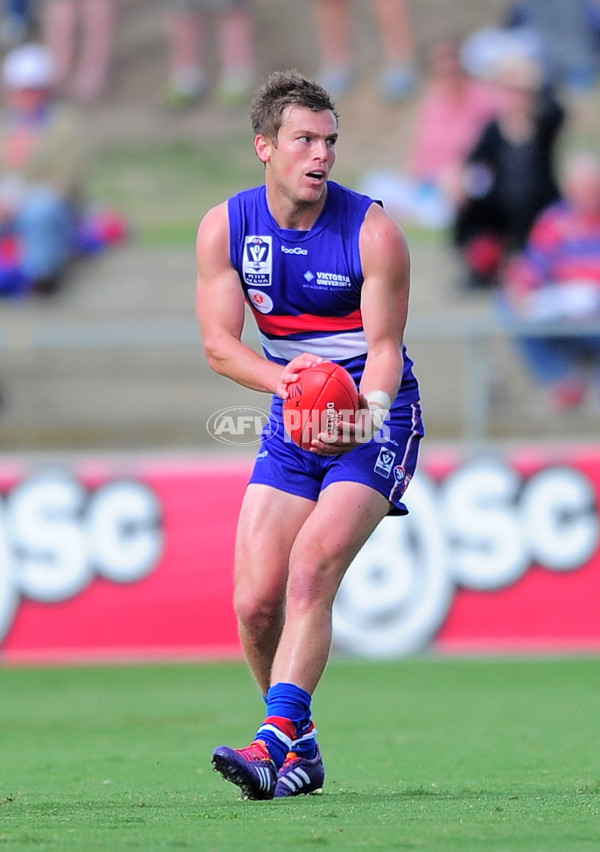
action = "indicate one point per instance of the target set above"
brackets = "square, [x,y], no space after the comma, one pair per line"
[304,290]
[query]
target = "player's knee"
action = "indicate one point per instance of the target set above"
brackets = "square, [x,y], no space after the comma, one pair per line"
[313,583]
[257,611]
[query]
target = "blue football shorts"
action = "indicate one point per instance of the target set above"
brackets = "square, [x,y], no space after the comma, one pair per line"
[386,463]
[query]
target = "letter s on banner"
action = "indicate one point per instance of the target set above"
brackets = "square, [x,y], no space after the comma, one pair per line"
[483,530]
[44,519]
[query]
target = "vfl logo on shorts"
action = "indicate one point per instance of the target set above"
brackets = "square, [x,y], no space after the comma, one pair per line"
[257,266]
[385,461]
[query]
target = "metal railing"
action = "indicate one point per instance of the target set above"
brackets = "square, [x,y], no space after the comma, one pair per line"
[475,333]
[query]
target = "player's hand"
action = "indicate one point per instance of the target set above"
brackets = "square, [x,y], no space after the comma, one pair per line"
[292,370]
[348,435]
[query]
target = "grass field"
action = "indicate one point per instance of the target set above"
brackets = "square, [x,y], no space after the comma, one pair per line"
[422,754]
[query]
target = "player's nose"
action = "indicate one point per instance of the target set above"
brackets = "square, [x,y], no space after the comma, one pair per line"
[321,150]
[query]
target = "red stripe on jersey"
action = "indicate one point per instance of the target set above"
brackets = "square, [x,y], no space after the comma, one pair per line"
[282,325]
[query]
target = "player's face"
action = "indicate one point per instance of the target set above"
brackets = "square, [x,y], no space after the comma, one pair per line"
[299,163]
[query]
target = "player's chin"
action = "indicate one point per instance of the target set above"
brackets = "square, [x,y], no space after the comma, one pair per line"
[312,194]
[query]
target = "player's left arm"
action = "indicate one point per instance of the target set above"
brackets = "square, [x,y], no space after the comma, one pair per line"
[384,307]
[384,302]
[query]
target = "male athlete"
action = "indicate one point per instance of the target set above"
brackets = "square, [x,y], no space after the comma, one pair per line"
[326,274]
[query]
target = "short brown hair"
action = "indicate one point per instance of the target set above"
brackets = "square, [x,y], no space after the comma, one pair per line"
[285,89]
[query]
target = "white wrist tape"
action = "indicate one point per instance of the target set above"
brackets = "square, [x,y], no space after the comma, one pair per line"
[379,404]
[379,398]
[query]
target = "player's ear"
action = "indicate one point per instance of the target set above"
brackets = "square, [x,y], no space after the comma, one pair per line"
[263,147]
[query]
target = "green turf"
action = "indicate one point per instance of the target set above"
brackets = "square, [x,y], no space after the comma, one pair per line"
[423,754]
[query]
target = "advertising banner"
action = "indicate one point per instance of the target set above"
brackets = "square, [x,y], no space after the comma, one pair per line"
[129,558]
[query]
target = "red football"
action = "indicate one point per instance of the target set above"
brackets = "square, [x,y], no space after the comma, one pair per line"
[321,395]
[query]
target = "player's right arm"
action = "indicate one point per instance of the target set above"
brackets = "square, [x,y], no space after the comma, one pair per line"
[220,308]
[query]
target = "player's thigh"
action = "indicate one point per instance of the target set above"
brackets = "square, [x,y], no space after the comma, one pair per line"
[269,522]
[345,516]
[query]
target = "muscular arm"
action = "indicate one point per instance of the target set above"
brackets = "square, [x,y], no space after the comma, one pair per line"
[220,308]
[384,308]
[384,301]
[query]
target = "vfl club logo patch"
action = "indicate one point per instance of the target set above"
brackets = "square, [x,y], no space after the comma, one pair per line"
[385,462]
[261,301]
[401,483]
[257,266]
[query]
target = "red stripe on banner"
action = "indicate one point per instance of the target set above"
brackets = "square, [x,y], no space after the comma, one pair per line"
[514,618]
[307,322]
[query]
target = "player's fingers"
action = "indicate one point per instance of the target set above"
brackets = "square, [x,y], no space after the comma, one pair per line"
[301,362]
[286,378]
[331,444]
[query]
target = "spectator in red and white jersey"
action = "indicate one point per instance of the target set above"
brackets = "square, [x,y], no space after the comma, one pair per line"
[557,279]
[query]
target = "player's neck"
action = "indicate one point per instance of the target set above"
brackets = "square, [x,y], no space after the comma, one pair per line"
[294,215]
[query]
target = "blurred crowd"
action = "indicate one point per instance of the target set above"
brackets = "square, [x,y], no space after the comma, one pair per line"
[485,164]
[56,56]
[521,210]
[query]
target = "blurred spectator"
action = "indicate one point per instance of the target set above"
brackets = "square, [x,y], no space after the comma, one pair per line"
[79,34]
[334,32]
[187,29]
[17,22]
[451,115]
[564,35]
[570,35]
[485,49]
[509,175]
[557,279]
[41,175]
